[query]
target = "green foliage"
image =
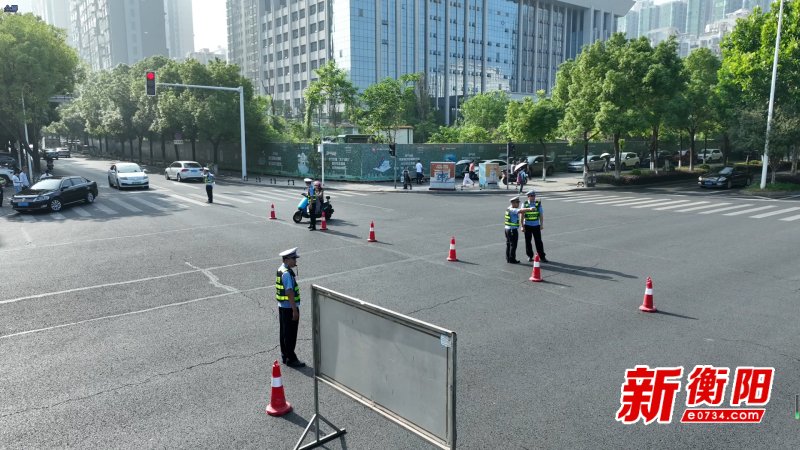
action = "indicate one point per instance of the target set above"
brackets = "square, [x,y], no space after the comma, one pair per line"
[486,110]
[532,121]
[333,88]
[387,104]
[445,135]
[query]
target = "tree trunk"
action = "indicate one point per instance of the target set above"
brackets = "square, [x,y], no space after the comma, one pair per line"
[654,144]
[163,150]
[692,140]
[140,138]
[150,143]
[177,154]
[194,151]
[795,151]
[585,157]
[544,160]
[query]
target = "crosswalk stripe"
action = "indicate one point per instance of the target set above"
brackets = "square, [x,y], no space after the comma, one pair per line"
[622,200]
[678,206]
[669,202]
[57,216]
[150,204]
[81,211]
[725,209]
[104,208]
[570,196]
[639,201]
[125,205]
[272,197]
[606,198]
[231,199]
[712,205]
[287,194]
[790,219]
[774,213]
[187,199]
[27,217]
[747,211]
[592,197]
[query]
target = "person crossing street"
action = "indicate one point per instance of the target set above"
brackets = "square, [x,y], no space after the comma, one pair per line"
[208,180]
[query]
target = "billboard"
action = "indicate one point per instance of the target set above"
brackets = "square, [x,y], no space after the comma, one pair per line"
[443,175]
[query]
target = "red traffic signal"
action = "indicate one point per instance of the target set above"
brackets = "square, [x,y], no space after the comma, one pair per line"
[150,82]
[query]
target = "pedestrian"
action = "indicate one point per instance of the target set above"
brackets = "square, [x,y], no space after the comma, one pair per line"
[522,179]
[467,180]
[314,203]
[208,180]
[419,171]
[406,179]
[16,181]
[287,293]
[472,174]
[533,226]
[512,223]
[23,178]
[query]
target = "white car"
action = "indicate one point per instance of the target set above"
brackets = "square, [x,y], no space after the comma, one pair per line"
[709,155]
[184,170]
[127,175]
[629,160]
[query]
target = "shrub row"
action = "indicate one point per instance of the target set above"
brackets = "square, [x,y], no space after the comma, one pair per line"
[637,177]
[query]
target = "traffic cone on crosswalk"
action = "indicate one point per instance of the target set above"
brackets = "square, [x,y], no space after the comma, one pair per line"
[536,273]
[372,232]
[272,212]
[647,304]
[278,405]
[452,255]
[324,226]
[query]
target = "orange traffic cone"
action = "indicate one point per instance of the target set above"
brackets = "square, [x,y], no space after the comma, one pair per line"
[278,405]
[647,304]
[324,226]
[272,212]
[452,255]
[536,273]
[372,232]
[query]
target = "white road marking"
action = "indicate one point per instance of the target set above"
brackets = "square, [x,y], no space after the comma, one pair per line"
[678,206]
[774,213]
[151,204]
[187,199]
[747,211]
[639,201]
[27,236]
[790,219]
[125,205]
[231,199]
[593,197]
[654,203]
[623,200]
[104,208]
[713,205]
[602,199]
[57,216]
[81,211]
[725,209]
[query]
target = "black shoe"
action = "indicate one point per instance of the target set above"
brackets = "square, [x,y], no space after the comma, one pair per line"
[312,229]
[296,364]
[530,259]
[283,359]
[514,261]
[544,260]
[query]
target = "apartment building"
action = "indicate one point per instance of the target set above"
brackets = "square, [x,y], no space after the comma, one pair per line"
[463,47]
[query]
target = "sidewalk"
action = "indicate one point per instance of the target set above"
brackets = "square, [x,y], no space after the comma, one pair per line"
[560,182]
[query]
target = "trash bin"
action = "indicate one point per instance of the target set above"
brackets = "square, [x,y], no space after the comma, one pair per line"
[591,179]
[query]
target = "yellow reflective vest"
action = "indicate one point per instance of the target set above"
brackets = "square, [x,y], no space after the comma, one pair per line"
[280,290]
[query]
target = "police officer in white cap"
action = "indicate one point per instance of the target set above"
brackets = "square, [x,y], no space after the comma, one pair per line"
[533,225]
[511,223]
[287,293]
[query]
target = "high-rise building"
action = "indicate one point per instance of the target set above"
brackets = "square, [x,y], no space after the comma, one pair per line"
[698,14]
[54,12]
[721,8]
[462,47]
[673,15]
[111,32]
[180,32]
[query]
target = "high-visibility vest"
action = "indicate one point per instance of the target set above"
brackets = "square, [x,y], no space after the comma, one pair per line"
[533,215]
[312,195]
[208,179]
[510,221]
[280,290]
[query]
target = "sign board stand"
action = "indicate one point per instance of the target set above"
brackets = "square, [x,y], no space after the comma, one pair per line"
[315,423]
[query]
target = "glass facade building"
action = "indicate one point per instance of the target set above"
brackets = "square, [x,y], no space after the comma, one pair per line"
[463,47]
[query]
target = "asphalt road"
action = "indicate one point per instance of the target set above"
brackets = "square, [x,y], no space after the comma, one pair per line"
[147,319]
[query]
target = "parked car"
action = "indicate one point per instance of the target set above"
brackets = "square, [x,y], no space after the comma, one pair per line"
[127,175]
[501,162]
[727,177]
[48,153]
[535,164]
[5,174]
[628,160]
[682,157]
[595,163]
[8,160]
[661,158]
[184,170]
[63,152]
[54,193]
[709,155]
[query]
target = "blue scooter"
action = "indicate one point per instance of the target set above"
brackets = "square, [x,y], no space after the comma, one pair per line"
[302,209]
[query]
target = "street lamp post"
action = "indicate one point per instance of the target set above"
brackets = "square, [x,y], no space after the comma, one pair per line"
[765,158]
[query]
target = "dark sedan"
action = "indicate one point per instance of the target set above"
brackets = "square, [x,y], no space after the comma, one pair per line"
[54,193]
[727,177]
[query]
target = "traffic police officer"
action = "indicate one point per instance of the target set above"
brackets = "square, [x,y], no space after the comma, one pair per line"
[533,226]
[511,223]
[208,180]
[287,293]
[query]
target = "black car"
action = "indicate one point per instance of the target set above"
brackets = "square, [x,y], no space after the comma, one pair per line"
[55,192]
[8,160]
[727,177]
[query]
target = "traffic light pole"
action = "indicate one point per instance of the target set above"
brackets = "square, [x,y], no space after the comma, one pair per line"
[240,90]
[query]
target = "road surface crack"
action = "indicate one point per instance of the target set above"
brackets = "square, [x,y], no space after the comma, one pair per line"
[435,305]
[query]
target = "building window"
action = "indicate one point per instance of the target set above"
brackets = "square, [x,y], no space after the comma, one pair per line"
[296,68]
[321,25]
[295,51]
[321,6]
[313,46]
[303,49]
[302,13]
[296,85]
[312,9]
[280,71]
[321,44]
[303,67]
[314,64]
[312,28]
[294,16]
[302,31]
[285,19]
[295,33]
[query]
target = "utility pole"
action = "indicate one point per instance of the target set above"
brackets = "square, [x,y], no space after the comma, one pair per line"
[765,158]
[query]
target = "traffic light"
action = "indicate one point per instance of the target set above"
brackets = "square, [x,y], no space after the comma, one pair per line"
[511,147]
[150,82]
[393,149]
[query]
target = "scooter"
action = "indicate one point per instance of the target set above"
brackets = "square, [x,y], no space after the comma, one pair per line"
[302,209]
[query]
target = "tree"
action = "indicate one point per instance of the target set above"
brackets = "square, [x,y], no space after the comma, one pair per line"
[385,104]
[529,121]
[332,88]
[486,110]
[36,64]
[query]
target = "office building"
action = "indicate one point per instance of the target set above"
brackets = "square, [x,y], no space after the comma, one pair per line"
[673,15]
[462,47]
[179,28]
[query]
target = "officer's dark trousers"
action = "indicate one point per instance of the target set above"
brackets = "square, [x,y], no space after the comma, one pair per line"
[512,236]
[210,193]
[312,214]
[536,233]
[288,334]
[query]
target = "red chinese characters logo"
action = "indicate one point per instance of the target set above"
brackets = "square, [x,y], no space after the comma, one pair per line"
[753,386]
[649,394]
[706,386]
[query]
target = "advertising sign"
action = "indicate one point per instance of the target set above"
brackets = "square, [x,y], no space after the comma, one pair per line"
[488,174]
[443,175]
